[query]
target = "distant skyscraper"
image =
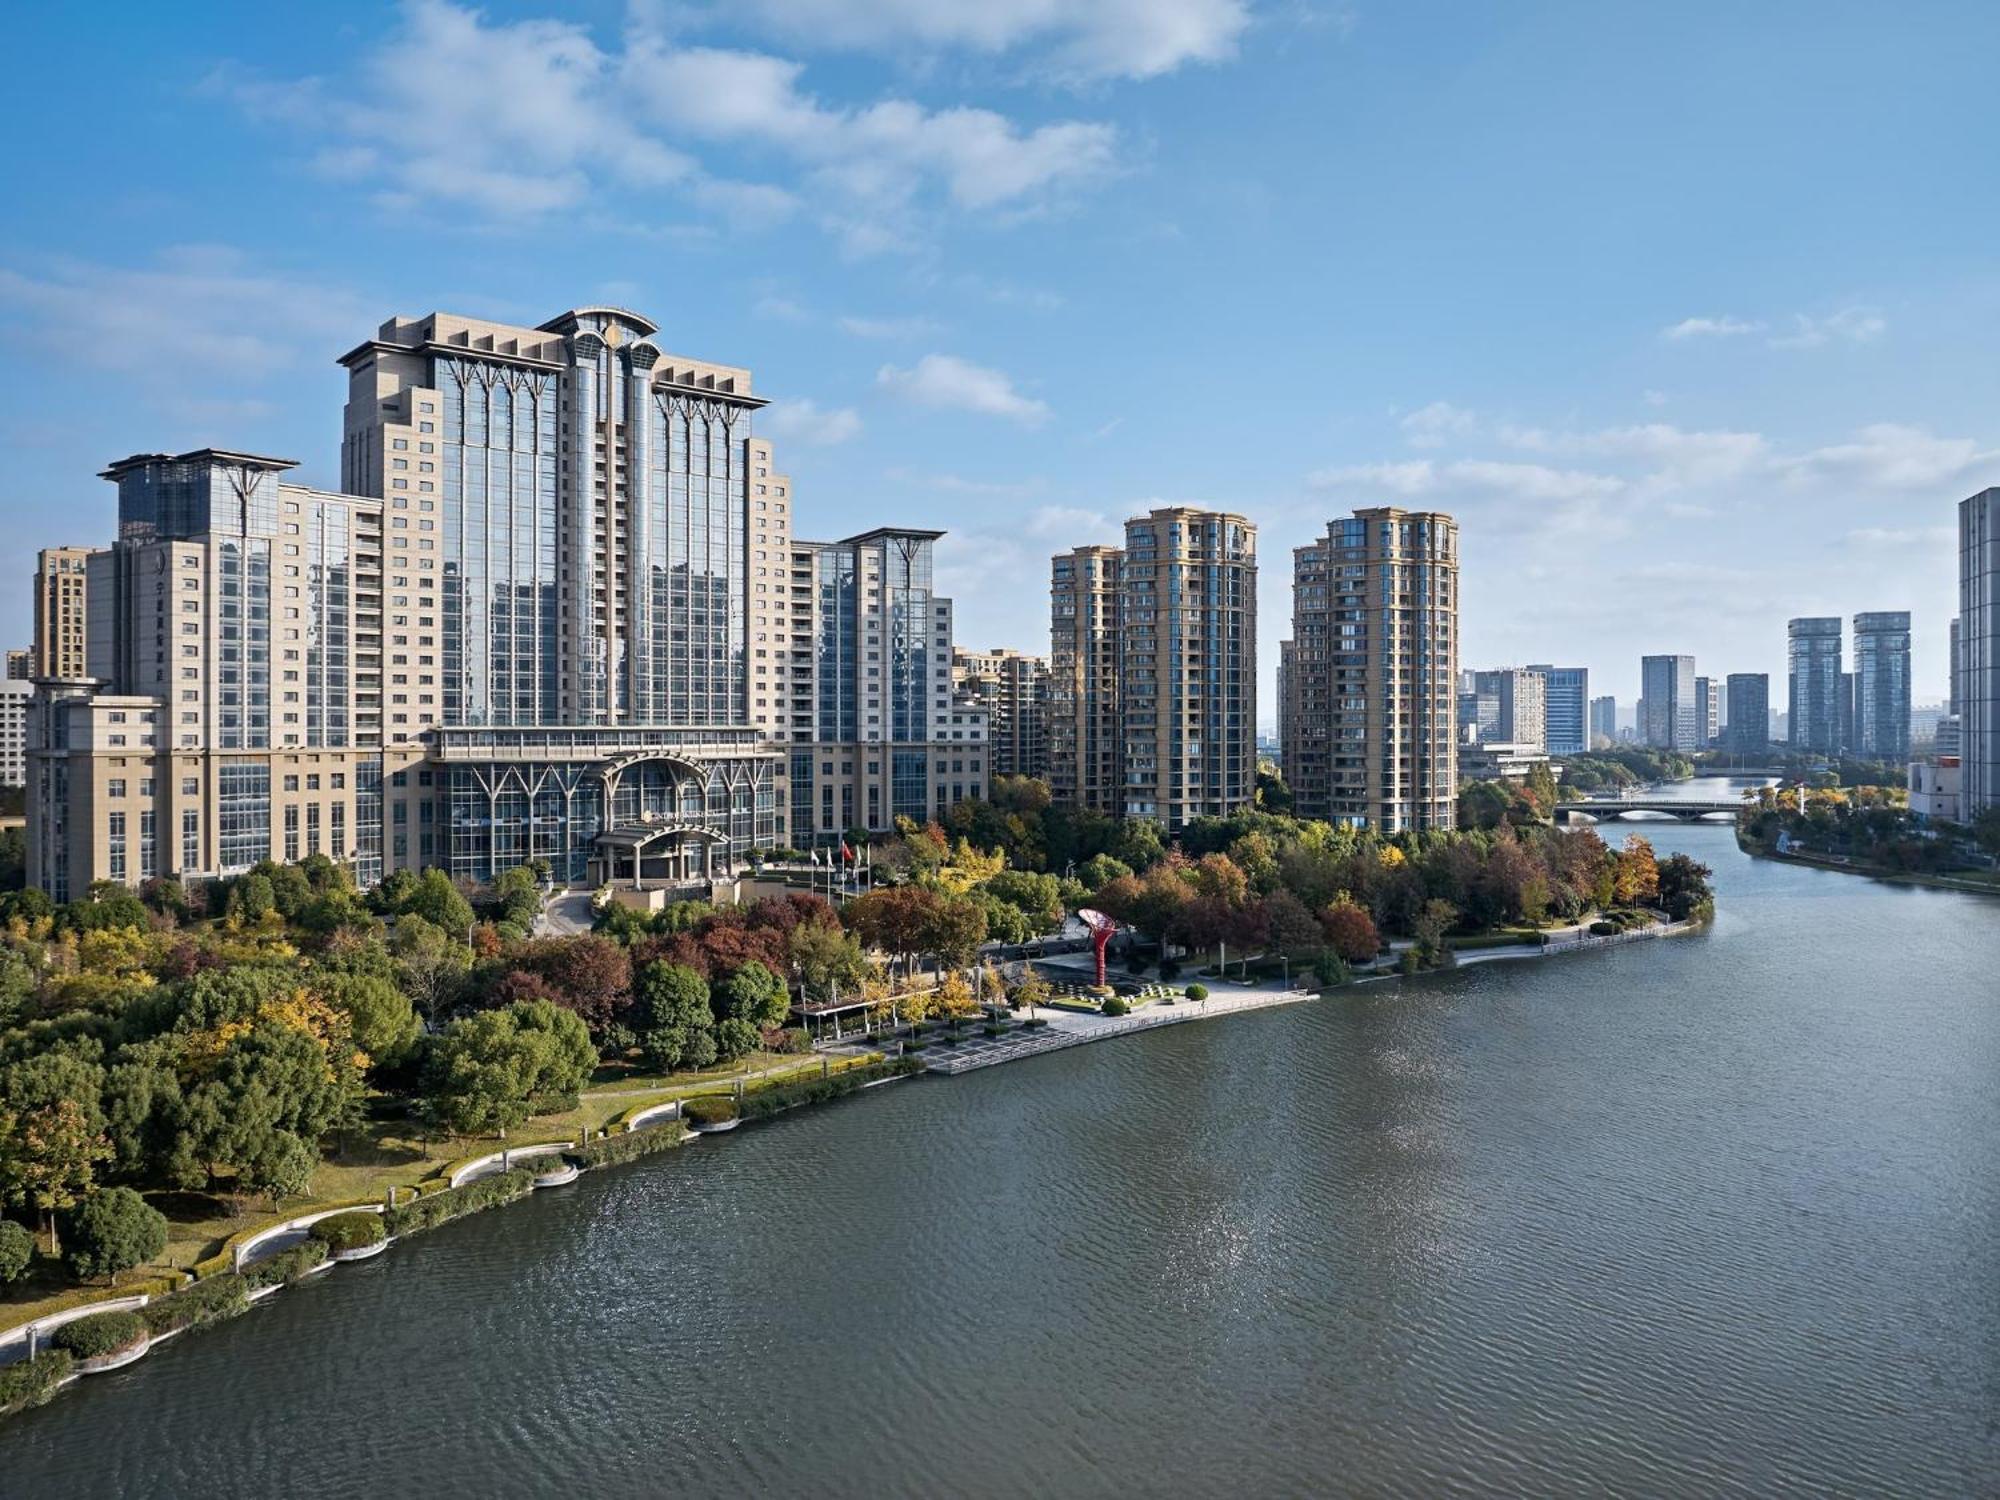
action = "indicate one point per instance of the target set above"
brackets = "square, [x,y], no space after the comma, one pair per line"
[21,665]
[1520,704]
[1951,680]
[1813,708]
[1749,712]
[1604,719]
[1668,720]
[1566,694]
[1882,685]
[1707,711]
[1374,676]
[1979,649]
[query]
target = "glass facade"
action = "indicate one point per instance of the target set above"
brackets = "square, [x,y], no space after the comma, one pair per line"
[1882,685]
[690,607]
[243,804]
[326,621]
[497,493]
[906,586]
[838,668]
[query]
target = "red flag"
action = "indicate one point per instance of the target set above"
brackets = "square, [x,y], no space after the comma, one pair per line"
[846,854]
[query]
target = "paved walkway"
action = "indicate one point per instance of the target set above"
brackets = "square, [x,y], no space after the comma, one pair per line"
[1073,1028]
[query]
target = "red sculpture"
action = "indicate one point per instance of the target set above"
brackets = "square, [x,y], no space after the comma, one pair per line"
[1101,930]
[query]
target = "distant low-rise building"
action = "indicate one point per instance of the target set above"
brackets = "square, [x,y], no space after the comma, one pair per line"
[1937,790]
[1501,760]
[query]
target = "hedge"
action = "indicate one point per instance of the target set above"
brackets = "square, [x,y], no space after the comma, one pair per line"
[287,1266]
[629,1145]
[1603,929]
[354,1231]
[1115,1007]
[205,1302]
[775,1100]
[1196,992]
[441,1207]
[709,1109]
[99,1334]
[30,1382]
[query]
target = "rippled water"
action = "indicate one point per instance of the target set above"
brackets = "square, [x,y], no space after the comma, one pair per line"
[1715,1215]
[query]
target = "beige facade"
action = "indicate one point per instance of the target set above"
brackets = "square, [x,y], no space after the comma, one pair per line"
[1086,731]
[1189,653]
[558,613]
[1373,673]
[61,611]
[1014,688]
[15,695]
[878,732]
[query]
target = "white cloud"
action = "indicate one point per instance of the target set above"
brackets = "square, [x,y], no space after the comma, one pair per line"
[803,420]
[1422,478]
[1066,526]
[1889,456]
[1076,38]
[1850,325]
[198,309]
[1434,425]
[890,328]
[958,484]
[585,124]
[1902,536]
[1710,328]
[951,383]
[1673,455]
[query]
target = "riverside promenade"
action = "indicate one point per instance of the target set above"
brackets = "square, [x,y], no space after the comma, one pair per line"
[1068,1028]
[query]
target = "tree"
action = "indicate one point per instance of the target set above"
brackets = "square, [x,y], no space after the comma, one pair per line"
[1287,924]
[111,1231]
[735,1038]
[380,1016]
[284,1169]
[17,1251]
[675,1023]
[824,957]
[1351,931]
[438,902]
[1433,923]
[1637,878]
[588,974]
[1037,897]
[756,995]
[1683,888]
[429,962]
[51,1133]
[1100,870]
[491,1070]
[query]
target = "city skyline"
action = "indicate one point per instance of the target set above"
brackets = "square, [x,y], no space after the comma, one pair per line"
[1593,488]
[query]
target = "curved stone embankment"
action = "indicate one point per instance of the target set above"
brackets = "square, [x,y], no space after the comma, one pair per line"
[268,1242]
[25,1338]
[500,1161]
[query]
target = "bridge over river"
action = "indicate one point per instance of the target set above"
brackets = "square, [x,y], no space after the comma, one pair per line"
[1686,809]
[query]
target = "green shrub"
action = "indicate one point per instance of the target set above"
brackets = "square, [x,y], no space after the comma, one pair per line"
[1410,962]
[709,1109]
[209,1301]
[1603,929]
[763,1103]
[433,1209]
[1196,992]
[17,1250]
[287,1266]
[99,1334]
[628,1145]
[112,1230]
[30,1382]
[1115,1006]
[355,1231]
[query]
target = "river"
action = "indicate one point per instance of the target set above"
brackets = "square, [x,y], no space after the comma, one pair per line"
[1714,1215]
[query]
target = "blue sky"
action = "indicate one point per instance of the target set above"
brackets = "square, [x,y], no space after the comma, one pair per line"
[1687,312]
